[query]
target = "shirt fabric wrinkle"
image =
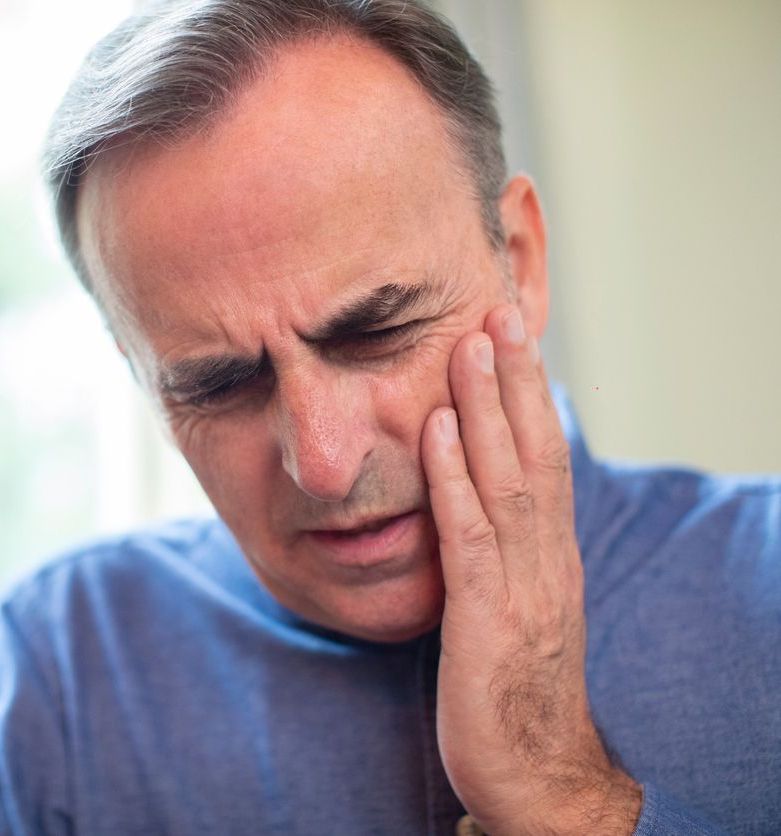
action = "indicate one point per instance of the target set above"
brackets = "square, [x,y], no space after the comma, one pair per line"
[151,684]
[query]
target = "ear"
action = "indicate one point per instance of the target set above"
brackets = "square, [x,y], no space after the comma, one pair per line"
[524,230]
[126,354]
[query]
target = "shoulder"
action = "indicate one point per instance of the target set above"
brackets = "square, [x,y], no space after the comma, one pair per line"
[658,504]
[116,573]
[675,537]
[625,509]
[691,536]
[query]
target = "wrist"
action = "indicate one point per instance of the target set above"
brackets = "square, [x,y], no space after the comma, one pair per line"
[607,803]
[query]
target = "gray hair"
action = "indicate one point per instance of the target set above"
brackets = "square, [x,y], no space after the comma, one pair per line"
[171,69]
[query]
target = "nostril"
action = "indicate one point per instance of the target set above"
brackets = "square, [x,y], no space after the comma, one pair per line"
[324,473]
[322,444]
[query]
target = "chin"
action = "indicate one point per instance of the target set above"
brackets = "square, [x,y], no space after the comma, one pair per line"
[388,609]
[396,633]
[397,613]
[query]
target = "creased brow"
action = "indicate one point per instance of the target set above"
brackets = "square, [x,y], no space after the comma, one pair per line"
[377,308]
[199,375]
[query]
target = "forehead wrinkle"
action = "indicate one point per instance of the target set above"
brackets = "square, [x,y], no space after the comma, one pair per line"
[329,162]
[218,243]
[392,298]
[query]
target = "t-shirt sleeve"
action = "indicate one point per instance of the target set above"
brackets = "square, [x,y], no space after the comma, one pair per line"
[663,815]
[33,776]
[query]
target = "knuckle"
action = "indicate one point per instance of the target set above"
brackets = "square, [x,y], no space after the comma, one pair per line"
[554,457]
[544,634]
[550,627]
[478,537]
[515,498]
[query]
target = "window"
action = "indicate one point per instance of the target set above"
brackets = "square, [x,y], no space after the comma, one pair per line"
[80,454]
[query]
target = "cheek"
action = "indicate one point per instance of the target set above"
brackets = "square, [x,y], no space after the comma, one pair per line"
[407,398]
[229,458]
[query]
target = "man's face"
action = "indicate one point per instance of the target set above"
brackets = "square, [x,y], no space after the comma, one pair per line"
[289,286]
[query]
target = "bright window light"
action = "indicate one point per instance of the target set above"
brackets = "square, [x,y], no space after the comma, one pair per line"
[80,453]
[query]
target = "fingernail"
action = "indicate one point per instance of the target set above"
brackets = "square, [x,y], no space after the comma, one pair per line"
[485,356]
[534,351]
[513,327]
[448,427]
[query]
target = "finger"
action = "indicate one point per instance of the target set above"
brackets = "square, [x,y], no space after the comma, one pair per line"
[467,541]
[540,443]
[489,447]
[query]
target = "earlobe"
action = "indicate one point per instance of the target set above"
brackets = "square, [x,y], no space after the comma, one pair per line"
[525,238]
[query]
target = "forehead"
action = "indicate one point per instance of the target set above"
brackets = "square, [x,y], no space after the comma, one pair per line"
[333,165]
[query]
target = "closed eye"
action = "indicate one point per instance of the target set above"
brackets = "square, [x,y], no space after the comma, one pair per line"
[226,392]
[358,346]
[214,396]
[387,334]
[257,383]
[369,346]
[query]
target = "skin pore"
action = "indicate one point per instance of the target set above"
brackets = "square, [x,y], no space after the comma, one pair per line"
[290,286]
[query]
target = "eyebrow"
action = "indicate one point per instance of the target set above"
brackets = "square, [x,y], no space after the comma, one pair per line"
[377,308]
[192,377]
[203,375]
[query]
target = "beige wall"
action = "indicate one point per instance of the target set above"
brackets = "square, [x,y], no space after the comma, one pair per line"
[654,132]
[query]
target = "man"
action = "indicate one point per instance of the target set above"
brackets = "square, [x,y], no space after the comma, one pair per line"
[292,216]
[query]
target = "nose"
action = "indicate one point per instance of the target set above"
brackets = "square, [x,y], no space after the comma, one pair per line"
[324,434]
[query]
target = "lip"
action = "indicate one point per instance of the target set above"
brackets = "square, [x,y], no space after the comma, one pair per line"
[363,548]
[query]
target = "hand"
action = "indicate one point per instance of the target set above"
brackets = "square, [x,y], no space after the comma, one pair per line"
[513,721]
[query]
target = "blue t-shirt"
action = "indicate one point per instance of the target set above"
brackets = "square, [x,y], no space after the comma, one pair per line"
[150,685]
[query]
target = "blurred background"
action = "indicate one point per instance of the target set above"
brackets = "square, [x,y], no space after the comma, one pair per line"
[653,131]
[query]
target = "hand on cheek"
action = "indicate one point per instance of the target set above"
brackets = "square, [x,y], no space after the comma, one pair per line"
[512,709]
